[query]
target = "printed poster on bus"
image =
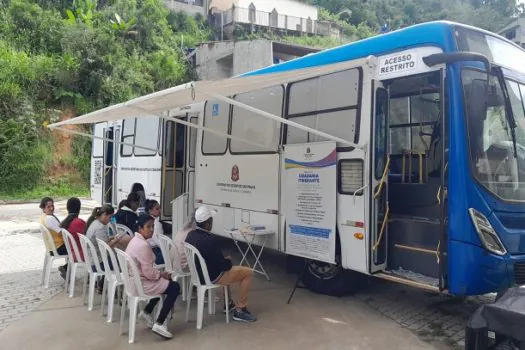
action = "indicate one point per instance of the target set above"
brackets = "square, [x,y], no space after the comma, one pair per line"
[310,200]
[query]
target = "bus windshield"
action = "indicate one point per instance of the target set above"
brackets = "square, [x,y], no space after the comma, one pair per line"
[496,49]
[497,158]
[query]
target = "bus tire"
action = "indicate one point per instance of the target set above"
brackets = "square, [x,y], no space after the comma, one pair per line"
[330,279]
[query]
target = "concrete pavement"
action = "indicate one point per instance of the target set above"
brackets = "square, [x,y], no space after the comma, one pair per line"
[310,322]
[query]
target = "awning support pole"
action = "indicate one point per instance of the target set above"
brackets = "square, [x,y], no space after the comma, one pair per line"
[101,138]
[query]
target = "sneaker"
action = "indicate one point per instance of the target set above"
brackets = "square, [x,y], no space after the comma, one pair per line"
[162,330]
[146,318]
[231,307]
[243,316]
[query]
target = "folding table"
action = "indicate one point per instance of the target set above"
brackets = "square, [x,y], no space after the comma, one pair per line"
[248,235]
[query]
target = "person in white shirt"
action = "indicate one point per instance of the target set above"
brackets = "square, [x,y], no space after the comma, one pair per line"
[152,208]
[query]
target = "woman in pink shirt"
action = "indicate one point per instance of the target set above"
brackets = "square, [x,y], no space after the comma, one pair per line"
[154,282]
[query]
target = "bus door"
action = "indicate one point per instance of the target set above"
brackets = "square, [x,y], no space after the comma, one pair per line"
[178,164]
[189,171]
[378,189]
[116,154]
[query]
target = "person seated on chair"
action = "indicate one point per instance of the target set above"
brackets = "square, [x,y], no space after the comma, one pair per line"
[154,282]
[220,268]
[127,215]
[97,227]
[153,209]
[51,222]
[73,224]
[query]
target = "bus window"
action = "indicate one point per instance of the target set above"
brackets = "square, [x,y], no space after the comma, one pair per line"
[179,142]
[193,146]
[253,127]
[147,135]
[216,117]
[169,134]
[128,136]
[411,122]
[98,143]
[329,103]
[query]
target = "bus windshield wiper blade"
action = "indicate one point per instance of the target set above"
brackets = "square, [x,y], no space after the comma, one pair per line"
[508,109]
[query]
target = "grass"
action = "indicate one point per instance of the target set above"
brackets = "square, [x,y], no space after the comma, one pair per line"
[63,187]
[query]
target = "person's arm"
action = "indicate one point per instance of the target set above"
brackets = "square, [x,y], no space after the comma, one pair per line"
[216,255]
[52,223]
[146,259]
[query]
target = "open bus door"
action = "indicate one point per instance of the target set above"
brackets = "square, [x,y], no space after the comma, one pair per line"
[178,163]
[378,189]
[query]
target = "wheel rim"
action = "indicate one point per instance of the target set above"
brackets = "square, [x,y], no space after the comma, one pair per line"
[322,270]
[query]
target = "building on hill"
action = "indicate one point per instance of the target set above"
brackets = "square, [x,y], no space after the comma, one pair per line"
[515,31]
[281,16]
[224,59]
[191,7]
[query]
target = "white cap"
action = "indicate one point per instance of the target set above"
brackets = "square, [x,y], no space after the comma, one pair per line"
[204,213]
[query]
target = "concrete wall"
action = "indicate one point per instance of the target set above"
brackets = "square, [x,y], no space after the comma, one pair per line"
[190,9]
[214,60]
[251,55]
[219,60]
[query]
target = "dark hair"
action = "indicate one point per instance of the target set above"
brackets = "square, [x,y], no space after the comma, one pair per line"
[105,209]
[73,209]
[150,204]
[44,201]
[133,197]
[143,219]
[121,204]
[204,223]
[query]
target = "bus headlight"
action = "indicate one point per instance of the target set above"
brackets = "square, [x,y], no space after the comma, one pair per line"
[486,233]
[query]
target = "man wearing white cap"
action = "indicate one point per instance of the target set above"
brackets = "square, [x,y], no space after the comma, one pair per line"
[220,268]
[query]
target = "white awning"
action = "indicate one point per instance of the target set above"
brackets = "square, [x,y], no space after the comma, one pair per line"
[194,92]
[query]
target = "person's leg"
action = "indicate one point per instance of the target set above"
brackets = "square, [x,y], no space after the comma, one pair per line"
[151,305]
[243,276]
[62,250]
[172,292]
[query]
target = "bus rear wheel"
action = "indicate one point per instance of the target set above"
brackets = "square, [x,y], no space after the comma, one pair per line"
[330,279]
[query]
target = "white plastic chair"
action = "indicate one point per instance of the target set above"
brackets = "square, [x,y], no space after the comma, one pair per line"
[91,259]
[113,277]
[191,253]
[172,263]
[134,292]
[74,261]
[124,229]
[50,256]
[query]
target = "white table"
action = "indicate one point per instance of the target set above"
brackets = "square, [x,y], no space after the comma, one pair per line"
[249,234]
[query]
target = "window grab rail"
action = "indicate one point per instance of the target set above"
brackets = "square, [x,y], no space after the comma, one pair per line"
[383,227]
[383,178]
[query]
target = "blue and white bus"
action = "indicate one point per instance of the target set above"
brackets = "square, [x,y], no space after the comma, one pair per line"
[430,163]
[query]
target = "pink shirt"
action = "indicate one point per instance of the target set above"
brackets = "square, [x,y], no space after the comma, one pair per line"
[140,251]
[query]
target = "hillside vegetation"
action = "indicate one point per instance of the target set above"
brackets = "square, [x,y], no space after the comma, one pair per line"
[62,58]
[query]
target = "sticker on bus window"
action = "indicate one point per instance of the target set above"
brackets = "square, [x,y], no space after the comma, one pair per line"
[215,110]
[398,63]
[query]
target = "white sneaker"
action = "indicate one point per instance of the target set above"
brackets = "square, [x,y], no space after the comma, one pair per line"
[146,318]
[162,330]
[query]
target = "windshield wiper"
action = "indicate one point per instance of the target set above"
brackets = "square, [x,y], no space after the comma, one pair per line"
[509,114]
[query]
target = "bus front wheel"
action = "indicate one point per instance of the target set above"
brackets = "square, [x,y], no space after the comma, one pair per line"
[330,279]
